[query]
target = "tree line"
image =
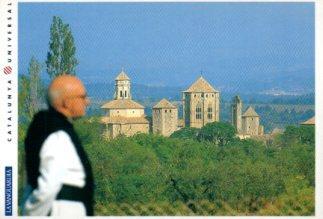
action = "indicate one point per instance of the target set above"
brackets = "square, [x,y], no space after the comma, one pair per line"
[196,165]
[199,164]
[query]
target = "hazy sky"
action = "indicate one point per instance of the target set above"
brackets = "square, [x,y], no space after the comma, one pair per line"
[171,43]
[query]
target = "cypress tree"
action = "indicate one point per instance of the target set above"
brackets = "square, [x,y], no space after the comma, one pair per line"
[61,55]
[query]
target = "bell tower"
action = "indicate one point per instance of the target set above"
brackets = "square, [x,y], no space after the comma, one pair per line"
[122,86]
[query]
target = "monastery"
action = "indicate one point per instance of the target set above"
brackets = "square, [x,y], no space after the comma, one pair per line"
[201,105]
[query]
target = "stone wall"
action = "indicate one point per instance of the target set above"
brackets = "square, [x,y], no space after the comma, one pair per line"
[113,130]
[250,125]
[205,101]
[126,112]
[236,115]
[165,121]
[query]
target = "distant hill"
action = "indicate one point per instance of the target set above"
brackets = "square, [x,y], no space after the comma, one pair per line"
[105,91]
[275,110]
[263,80]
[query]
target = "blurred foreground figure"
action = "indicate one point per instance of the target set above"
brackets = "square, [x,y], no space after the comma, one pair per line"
[59,175]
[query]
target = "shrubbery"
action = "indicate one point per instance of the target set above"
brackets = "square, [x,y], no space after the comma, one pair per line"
[247,175]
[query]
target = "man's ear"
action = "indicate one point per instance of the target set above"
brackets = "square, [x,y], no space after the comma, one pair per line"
[65,103]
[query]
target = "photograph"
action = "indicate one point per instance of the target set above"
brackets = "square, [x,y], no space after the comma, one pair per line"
[164,109]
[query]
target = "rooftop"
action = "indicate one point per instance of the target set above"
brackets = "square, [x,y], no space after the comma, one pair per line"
[122,104]
[122,76]
[124,120]
[250,112]
[201,85]
[311,121]
[164,104]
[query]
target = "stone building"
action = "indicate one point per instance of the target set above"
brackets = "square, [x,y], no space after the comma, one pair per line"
[165,118]
[200,104]
[123,115]
[246,124]
[180,123]
[309,122]
[236,113]
[250,123]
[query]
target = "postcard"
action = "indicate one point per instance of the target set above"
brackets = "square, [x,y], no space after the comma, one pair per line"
[160,109]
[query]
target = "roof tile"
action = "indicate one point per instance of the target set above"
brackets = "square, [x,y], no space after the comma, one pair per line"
[122,76]
[311,121]
[124,120]
[201,85]
[122,104]
[164,104]
[250,112]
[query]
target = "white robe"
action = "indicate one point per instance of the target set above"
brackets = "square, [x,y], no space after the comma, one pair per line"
[59,164]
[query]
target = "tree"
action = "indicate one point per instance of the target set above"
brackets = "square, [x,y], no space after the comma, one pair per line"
[23,98]
[61,56]
[31,91]
[302,134]
[35,85]
[218,132]
[186,133]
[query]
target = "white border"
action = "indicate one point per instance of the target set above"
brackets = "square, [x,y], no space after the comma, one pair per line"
[8,150]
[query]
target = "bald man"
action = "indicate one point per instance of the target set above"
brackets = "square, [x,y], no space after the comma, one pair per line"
[59,175]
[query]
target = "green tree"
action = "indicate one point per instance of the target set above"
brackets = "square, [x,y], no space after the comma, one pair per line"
[31,91]
[307,134]
[219,132]
[23,98]
[61,56]
[302,134]
[186,133]
[245,177]
[35,86]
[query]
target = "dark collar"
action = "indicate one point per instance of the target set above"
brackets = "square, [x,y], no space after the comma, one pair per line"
[58,115]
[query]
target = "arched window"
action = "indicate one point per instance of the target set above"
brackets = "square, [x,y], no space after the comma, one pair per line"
[198,111]
[125,93]
[121,93]
[209,112]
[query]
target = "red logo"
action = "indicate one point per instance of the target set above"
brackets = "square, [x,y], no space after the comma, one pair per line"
[7,70]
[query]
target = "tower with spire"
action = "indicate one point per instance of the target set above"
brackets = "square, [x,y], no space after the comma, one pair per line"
[122,86]
[124,116]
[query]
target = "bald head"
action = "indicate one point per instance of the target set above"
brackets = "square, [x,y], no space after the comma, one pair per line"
[67,94]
